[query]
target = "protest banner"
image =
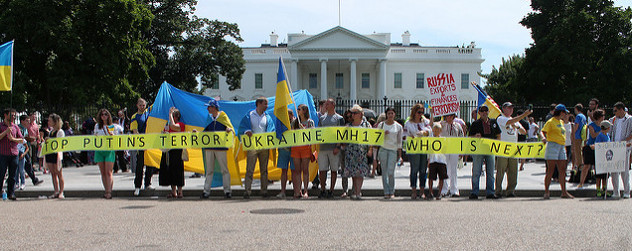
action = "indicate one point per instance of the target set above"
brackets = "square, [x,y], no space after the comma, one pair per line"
[610,157]
[321,135]
[474,146]
[443,94]
[138,142]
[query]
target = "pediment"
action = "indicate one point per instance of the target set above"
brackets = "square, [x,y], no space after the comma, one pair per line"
[339,38]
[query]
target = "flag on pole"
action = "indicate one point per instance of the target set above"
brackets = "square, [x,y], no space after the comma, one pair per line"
[282,100]
[6,66]
[486,100]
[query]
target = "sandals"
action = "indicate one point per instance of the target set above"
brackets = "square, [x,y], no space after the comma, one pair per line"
[172,196]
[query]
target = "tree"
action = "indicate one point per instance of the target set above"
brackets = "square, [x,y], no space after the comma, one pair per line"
[503,83]
[581,50]
[189,49]
[76,52]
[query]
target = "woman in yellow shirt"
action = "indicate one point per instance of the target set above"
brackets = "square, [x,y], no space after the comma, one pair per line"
[555,153]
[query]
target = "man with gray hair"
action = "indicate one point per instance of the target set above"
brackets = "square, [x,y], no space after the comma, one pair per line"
[621,131]
[329,155]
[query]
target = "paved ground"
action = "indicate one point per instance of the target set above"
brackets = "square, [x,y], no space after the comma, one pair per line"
[370,224]
[86,182]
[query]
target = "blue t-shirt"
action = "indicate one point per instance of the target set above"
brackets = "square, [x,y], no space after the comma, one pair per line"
[602,138]
[580,121]
[591,140]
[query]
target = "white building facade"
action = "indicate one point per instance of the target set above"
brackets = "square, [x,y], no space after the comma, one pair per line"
[340,63]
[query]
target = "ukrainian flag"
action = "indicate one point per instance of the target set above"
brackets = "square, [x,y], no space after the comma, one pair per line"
[282,100]
[486,100]
[6,66]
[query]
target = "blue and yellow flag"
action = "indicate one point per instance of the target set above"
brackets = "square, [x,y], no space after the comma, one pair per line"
[283,99]
[6,66]
[486,100]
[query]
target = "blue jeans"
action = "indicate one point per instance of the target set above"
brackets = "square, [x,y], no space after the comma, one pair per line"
[10,162]
[19,175]
[388,158]
[418,164]
[477,168]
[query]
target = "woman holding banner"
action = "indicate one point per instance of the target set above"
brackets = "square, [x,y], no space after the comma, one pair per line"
[53,160]
[356,161]
[302,155]
[171,164]
[390,152]
[105,159]
[417,126]
[555,153]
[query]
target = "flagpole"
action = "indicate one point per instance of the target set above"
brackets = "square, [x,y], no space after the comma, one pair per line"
[12,72]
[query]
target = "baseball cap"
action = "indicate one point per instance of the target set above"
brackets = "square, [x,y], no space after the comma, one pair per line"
[605,124]
[483,108]
[561,107]
[507,104]
[213,103]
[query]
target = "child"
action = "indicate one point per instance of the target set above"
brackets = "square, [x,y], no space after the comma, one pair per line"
[23,149]
[602,137]
[436,165]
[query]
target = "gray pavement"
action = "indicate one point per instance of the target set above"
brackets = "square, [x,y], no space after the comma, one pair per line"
[371,224]
[86,182]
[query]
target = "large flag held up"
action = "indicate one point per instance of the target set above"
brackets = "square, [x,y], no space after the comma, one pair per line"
[283,99]
[6,66]
[195,116]
[486,100]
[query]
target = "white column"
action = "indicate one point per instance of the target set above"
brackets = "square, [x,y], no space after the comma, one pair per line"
[381,81]
[353,87]
[323,79]
[294,77]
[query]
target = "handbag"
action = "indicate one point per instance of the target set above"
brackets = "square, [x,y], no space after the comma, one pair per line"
[185,155]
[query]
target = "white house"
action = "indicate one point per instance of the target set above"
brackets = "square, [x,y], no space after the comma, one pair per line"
[341,63]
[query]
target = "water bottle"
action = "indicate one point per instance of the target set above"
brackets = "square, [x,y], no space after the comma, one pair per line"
[4,195]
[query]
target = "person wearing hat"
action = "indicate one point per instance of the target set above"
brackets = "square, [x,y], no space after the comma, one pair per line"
[451,129]
[555,153]
[621,131]
[219,122]
[485,127]
[509,129]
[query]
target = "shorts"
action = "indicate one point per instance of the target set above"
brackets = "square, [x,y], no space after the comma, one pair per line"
[284,159]
[104,156]
[328,161]
[301,152]
[437,169]
[554,151]
[589,155]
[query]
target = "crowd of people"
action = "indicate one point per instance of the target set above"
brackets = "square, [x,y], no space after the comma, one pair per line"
[569,138]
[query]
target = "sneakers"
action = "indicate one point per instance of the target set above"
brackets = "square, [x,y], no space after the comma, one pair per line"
[281,195]
[322,194]
[38,182]
[136,191]
[491,196]
[599,192]
[205,196]
[626,196]
[330,194]
[353,196]
[22,187]
[228,195]
[473,197]
[150,188]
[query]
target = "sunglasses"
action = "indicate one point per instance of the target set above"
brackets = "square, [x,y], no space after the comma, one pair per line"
[355,112]
[420,112]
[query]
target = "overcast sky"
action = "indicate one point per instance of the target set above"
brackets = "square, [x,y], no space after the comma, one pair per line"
[492,24]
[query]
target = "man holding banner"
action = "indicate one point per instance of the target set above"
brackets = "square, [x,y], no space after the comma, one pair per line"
[220,122]
[621,131]
[329,155]
[139,125]
[484,127]
[509,129]
[257,121]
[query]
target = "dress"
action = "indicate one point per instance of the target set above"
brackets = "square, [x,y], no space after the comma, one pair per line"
[171,166]
[356,164]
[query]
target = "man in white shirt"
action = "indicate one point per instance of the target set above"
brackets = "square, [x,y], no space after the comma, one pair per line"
[509,129]
[621,131]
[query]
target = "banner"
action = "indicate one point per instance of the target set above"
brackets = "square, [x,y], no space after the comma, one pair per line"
[443,94]
[474,146]
[611,157]
[322,135]
[139,142]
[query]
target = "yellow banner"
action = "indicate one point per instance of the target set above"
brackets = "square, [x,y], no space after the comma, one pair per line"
[472,146]
[321,135]
[139,142]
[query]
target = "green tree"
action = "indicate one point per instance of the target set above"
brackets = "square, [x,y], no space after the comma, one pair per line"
[503,83]
[76,52]
[581,50]
[189,49]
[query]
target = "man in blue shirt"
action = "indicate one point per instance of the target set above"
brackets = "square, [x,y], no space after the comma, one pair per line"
[576,142]
[220,122]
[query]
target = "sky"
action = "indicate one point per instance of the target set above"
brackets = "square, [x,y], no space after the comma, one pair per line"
[492,24]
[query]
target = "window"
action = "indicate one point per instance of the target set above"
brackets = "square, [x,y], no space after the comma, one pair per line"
[398,80]
[366,81]
[258,80]
[214,84]
[465,80]
[420,80]
[339,81]
[313,81]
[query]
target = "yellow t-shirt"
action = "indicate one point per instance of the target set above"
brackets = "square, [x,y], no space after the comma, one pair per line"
[555,132]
